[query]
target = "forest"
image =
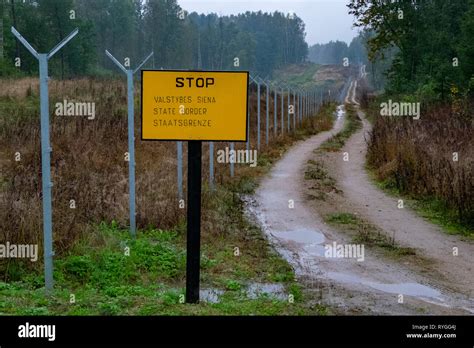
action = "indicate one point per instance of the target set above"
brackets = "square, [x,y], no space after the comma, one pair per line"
[255,41]
[430,42]
[334,52]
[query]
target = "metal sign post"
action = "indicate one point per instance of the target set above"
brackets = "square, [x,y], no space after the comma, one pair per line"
[179,148]
[233,127]
[46,151]
[193,240]
[131,136]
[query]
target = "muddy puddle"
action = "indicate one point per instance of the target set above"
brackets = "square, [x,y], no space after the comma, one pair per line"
[252,291]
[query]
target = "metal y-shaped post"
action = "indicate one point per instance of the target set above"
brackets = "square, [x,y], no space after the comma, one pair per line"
[131,135]
[46,151]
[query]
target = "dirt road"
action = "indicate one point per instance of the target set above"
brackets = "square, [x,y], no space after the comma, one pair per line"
[373,285]
[404,225]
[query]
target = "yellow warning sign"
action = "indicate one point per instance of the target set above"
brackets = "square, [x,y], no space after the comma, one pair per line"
[194,105]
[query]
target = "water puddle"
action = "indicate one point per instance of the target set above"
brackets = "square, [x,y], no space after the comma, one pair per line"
[340,112]
[312,244]
[252,291]
[273,290]
[303,236]
[280,175]
[408,289]
[210,295]
[315,250]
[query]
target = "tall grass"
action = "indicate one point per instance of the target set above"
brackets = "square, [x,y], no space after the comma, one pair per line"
[416,157]
[88,164]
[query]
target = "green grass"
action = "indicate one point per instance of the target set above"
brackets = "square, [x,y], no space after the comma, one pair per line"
[105,281]
[431,208]
[342,218]
[437,212]
[351,125]
[302,78]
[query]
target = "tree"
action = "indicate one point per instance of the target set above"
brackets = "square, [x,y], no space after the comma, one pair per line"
[261,41]
[427,36]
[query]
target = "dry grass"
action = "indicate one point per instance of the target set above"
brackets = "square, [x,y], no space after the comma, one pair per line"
[88,164]
[416,157]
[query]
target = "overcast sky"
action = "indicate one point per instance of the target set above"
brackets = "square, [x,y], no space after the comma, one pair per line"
[325,20]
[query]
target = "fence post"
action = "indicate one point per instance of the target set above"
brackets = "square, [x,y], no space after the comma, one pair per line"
[300,109]
[211,165]
[46,173]
[254,80]
[294,111]
[131,136]
[275,112]
[131,149]
[289,101]
[46,152]
[267,106]
[308,97]
[282,111]
[307,107]
[258,121]
[232,169]
[248,124]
